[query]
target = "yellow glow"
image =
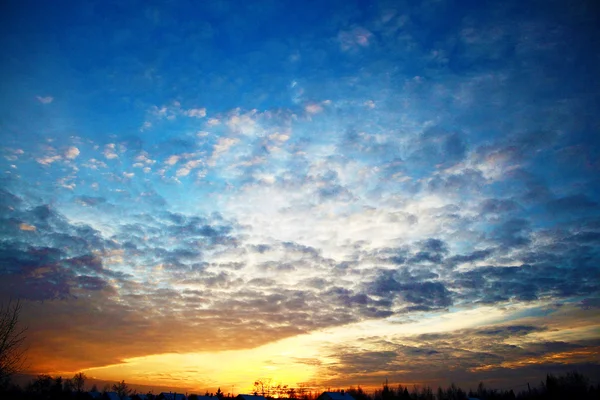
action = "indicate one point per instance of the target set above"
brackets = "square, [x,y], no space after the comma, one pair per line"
[288,362]
[284,362]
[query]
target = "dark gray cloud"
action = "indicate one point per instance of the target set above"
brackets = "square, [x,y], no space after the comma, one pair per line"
[512,233]
[468,355]
[414,294]
[477,255]
[438,148]
[431,250]
[498,206]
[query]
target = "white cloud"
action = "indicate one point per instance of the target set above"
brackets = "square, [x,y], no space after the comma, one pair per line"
[172,160]
[193,164]
[128,175]
[64,182]
[182,172]
[72,153]
[369,104]
[143,158]
[244,124]
[159,112]
[221,147]
[188,167]
[313,108]
[196,112]
[95,164]
[47,160]
[109,151]
[281,137]
[45,100]
[145,126]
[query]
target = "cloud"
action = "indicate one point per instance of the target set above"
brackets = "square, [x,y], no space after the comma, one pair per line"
[483,353]
[110,151]
[90,200]
[172,160]
[72,153]
[27,227]
[196,112]
[313,108]
[45,99]
[512,233]
[182,172]
[95,164]
[498,206]
[369,104]
[243,123]
[221,147]
[48,160]
[354,39]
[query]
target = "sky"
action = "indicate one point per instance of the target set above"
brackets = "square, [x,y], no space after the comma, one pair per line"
[323,193]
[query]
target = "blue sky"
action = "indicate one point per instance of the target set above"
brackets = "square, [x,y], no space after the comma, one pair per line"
[289,168]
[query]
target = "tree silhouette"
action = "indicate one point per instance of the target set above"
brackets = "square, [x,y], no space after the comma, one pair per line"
[42,384]
[11,342]
[291,393]
[79,381]
[263,386]
[122,389]
[68,385]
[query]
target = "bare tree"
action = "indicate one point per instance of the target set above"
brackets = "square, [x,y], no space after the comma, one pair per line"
[12,353]
[263,386]
[79,381]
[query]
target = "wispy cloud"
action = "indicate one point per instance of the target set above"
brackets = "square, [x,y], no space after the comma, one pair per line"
[196,112]
[354,38]
[45,99]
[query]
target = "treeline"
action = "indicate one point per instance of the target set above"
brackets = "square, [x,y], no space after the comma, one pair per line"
[573,385]
[570,386]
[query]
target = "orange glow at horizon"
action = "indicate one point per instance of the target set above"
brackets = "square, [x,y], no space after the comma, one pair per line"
[312,359]
[280,362]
